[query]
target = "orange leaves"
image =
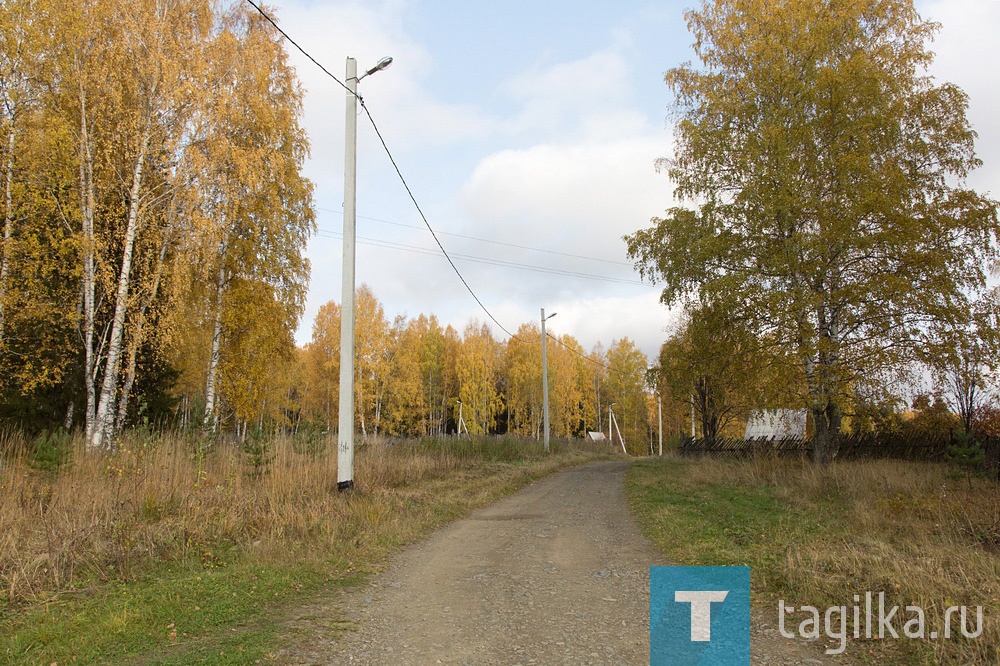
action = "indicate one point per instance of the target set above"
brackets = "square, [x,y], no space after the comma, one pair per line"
[164,150]
[413,374]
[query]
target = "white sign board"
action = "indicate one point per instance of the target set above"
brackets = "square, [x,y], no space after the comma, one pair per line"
[776,424]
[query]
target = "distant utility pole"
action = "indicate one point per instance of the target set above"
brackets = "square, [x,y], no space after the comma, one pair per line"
[545,383]
[659,418]
[614,421]
[461,421]
[692,416]
[345,423]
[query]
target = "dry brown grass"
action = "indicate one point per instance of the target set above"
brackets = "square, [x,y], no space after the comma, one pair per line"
[925,538]
[99,517]
[912,530]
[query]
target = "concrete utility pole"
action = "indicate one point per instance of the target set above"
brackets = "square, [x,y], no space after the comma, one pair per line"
[659,418]
[692,416]
[545,384]
[615,422]
[461,420]
[345,422]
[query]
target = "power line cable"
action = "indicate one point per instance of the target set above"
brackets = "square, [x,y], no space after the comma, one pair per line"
[487,240]
[301,50]
[395,166]
[378,242]
[406,186]
[583,356]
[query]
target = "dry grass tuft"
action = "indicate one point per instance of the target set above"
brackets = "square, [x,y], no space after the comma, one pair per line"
[912,530]
[91,518]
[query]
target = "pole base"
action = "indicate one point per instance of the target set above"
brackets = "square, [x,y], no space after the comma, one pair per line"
[345,485]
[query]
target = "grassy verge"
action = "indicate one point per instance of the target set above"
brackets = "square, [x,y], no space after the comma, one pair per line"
[170,552]
[821,535]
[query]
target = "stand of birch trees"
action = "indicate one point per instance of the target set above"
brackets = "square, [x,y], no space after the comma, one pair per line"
[154,213]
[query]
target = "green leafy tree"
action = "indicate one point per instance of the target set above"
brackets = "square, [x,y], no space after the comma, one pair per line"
[826,172]
[966,454]
[715,360]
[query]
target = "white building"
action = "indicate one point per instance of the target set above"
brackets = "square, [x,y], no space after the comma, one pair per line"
[777,424]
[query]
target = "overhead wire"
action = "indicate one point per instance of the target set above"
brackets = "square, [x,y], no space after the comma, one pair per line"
[413,198]
[379,242]
[578,353]
[301,50]
[423,217]
[486,240]
[393,161]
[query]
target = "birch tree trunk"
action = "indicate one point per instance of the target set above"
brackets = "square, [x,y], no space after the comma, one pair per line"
[211,379]
[89,274]
[8,230]
[102,437]
[826,412]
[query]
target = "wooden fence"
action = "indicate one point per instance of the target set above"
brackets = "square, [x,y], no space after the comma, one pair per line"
[849,447]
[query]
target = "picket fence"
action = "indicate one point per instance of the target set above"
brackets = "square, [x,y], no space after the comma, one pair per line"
[859,446]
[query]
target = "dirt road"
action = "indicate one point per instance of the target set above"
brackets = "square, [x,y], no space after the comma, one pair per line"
[555,574]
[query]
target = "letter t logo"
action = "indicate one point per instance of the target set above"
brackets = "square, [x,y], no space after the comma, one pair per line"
[701,610]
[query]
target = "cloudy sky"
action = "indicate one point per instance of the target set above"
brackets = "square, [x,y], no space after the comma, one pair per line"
[528,132]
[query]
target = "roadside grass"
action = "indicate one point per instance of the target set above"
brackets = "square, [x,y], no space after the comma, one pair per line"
[180,550]
[819,535]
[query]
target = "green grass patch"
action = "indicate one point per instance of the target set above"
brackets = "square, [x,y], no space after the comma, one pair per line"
[721,524]
[819,535]
[186,610]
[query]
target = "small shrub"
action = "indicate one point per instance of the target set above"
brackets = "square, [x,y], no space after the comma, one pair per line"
[50,451]
[311,442]
[257,453]
[966,455]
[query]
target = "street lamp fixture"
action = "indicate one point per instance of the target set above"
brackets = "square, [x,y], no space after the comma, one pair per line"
[345,423]
[379,66]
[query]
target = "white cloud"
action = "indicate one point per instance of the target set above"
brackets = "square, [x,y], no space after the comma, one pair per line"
[585,178]
[966,53]
[578,198]
[640,318]
[330,32]
[590,181]
[562,158]
[554,98]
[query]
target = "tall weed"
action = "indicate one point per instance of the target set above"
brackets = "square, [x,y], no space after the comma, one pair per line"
[72,526]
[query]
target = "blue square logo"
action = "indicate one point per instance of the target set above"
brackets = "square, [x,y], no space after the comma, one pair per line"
[699,616]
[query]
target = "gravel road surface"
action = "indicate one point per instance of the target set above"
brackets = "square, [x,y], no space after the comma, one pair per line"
[557,573]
